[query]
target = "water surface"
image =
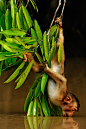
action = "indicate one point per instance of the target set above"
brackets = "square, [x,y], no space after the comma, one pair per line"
[23,122]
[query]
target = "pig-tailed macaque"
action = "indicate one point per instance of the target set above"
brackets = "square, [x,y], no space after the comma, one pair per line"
[57,84]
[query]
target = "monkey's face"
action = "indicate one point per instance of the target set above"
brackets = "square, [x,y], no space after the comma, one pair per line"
[69,108]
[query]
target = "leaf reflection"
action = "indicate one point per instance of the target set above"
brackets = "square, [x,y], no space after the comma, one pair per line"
[50,123]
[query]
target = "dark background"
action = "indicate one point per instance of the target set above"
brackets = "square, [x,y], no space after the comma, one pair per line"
[74,23]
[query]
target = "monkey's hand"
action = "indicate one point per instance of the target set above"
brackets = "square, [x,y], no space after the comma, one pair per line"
[37,67]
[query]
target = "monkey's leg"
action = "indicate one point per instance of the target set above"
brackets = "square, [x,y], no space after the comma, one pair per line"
[37,67]
[55,76]
[58,90]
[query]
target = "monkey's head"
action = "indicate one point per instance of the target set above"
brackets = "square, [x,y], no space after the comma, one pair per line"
[71,105]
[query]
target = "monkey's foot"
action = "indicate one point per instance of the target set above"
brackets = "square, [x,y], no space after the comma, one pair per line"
[59,21]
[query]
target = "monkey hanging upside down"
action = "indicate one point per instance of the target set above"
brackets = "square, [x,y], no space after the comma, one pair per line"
[57,84]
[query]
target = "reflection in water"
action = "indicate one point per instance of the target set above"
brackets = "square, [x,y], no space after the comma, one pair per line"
[23,122]
[50,123]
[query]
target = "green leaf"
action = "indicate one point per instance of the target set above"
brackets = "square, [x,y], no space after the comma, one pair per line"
[27,16]
[8,19]
[19,77]
[14,60]
[16,72]
[33,33]
[28,100]
[39,35]
[24,45]
[13,45]
[12,40]
[2,3]
[3,58]
[35,107]
[5,46]
[38,30]
[21,72]
[34,5]
[59,110]
[2,21]
[57,33]
[28,40]
[41,112]
[18,21]
[1,64]
[20,41]
[30,109]
[26,27]
[22,3]
[36,80]
[7,61]
[38,89]
[10,66]
[46,46]
[39,58]
[13,48]
[60,53]
[52,30]
[35,45]
[53,109]
[52,52]
[25,74]
[44,82]
[6,53]
[45,107]
[13,13]
[1,13]
[13,32]
[53,49]
[21,17]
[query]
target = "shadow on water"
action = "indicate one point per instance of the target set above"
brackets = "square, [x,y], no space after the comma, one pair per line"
[23,122]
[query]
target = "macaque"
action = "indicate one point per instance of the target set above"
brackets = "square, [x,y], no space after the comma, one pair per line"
[57,84]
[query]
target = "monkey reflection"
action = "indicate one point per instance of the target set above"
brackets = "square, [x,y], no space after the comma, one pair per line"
[57,84]
[66,123]
[51,123]
[69,123]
